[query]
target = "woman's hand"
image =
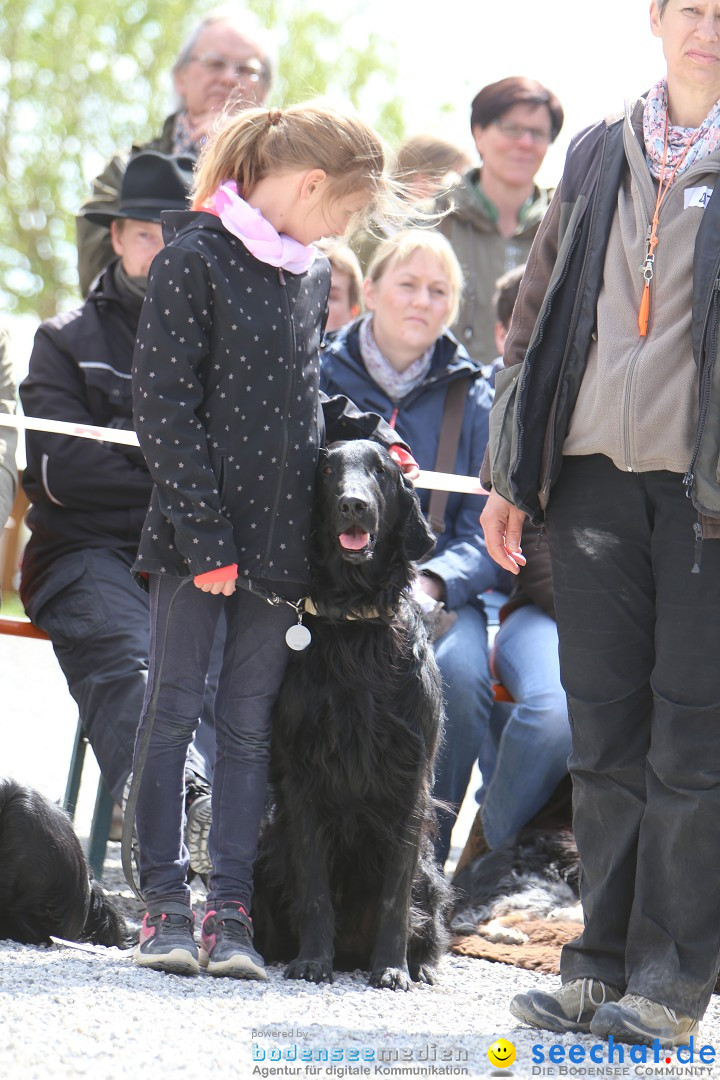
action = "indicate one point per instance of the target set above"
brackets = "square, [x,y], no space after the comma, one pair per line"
[502,524]
[432,585]
[406,461]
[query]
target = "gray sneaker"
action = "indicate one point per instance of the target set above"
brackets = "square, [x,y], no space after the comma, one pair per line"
[166,941]
[198,819]
[227,944]
[571,1008]
[637,1019]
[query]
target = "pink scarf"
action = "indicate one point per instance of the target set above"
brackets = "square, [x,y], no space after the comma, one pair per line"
[257,234]
[706,141]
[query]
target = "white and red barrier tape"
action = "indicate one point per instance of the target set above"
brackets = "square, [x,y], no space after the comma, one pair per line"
[469,485]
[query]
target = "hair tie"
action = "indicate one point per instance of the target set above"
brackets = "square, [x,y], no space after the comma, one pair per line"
[274,117]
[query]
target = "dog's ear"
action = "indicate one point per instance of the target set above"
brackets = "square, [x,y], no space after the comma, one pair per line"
[416,533]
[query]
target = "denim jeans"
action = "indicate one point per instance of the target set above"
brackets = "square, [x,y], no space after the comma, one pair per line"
[99,623]
[183,622]
[534,741]
[462,656]
[639,645]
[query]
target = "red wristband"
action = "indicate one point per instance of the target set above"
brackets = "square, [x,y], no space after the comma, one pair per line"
[223,573]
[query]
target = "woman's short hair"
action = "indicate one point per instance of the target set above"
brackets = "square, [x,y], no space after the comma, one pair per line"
[404,244]
[245,24]
[497,98]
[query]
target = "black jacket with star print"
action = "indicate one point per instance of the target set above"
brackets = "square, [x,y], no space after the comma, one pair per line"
[228,408]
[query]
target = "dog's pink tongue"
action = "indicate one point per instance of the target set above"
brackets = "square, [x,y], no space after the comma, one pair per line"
[354,539]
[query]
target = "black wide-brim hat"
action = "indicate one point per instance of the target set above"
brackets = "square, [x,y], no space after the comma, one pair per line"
[153,182]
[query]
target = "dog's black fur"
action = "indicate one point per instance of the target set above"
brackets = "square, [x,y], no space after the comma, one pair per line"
[346,876]
[45,885]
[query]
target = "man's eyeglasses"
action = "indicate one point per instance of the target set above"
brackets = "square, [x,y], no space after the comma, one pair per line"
[516,132]
[248,70]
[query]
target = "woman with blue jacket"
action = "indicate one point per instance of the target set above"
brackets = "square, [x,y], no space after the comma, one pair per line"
[399,360]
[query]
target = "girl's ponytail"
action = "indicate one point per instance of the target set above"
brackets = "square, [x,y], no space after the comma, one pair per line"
[251,145]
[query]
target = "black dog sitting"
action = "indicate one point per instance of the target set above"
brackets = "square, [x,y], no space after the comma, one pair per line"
[346,876]
[45,886]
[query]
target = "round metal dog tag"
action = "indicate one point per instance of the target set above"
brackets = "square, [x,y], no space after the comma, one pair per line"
[298,637]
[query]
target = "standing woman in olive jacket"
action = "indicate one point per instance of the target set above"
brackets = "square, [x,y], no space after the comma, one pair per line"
[612,441]
[230,419]
[400,361]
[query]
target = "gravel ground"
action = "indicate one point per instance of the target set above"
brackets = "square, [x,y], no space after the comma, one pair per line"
[75,1011]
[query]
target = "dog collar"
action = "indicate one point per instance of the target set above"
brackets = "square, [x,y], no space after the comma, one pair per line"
[309,608]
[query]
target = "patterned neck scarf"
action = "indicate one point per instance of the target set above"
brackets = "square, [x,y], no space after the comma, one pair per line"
[257,234]
[396,384]
[654,117]
[183,141]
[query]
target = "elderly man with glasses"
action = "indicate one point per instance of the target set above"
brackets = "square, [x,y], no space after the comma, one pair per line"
[497,208]
[224,62]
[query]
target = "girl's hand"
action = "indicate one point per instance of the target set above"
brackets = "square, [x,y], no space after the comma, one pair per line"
[502,524]
[227,588]
[218,582]
[406,461]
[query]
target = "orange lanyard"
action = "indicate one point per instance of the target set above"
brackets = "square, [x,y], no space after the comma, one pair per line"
[648,266]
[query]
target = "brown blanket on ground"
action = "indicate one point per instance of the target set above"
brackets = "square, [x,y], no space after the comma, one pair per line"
[541,951]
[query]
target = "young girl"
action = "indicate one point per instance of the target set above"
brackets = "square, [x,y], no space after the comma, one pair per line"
[230,418]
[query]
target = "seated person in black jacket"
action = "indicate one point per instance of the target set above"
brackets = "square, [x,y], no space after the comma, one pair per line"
[89,498]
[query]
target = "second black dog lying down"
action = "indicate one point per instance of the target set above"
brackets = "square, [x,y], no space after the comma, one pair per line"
[45,886]
[534,876]
[346,876]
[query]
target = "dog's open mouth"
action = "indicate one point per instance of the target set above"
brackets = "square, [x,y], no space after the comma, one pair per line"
[355,540]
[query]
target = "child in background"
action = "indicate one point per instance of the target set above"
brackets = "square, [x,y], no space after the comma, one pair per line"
[504,297]
[346,285]
[230,419]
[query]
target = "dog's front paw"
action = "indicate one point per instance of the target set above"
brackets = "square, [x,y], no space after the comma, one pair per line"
[422,973]
[390,978]
[315,971]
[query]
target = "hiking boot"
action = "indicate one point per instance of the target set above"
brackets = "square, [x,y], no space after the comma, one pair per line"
[637,1019]
[227,947]
[198,818]
[571,1008]
[166,941]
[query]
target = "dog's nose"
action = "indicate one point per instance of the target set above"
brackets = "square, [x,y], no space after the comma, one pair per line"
[352,504]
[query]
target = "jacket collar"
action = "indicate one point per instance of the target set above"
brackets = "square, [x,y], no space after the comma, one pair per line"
[449,359]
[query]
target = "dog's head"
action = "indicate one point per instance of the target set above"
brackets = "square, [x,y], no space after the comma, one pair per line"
[364,504]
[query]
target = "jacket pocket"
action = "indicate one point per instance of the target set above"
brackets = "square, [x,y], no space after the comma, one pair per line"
[69,605]
[501,434]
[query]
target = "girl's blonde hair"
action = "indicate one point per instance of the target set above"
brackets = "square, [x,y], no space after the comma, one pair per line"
[403,245]
[258,142]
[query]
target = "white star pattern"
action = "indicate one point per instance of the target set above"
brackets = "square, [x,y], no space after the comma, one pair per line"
[186,398]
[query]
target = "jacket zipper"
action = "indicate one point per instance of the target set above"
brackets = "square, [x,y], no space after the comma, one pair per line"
[636,355]
[626,401]
[545,487]
[689,478]
[551,419]
[285,431]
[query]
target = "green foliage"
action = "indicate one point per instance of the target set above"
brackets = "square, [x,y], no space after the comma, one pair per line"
[79,79]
